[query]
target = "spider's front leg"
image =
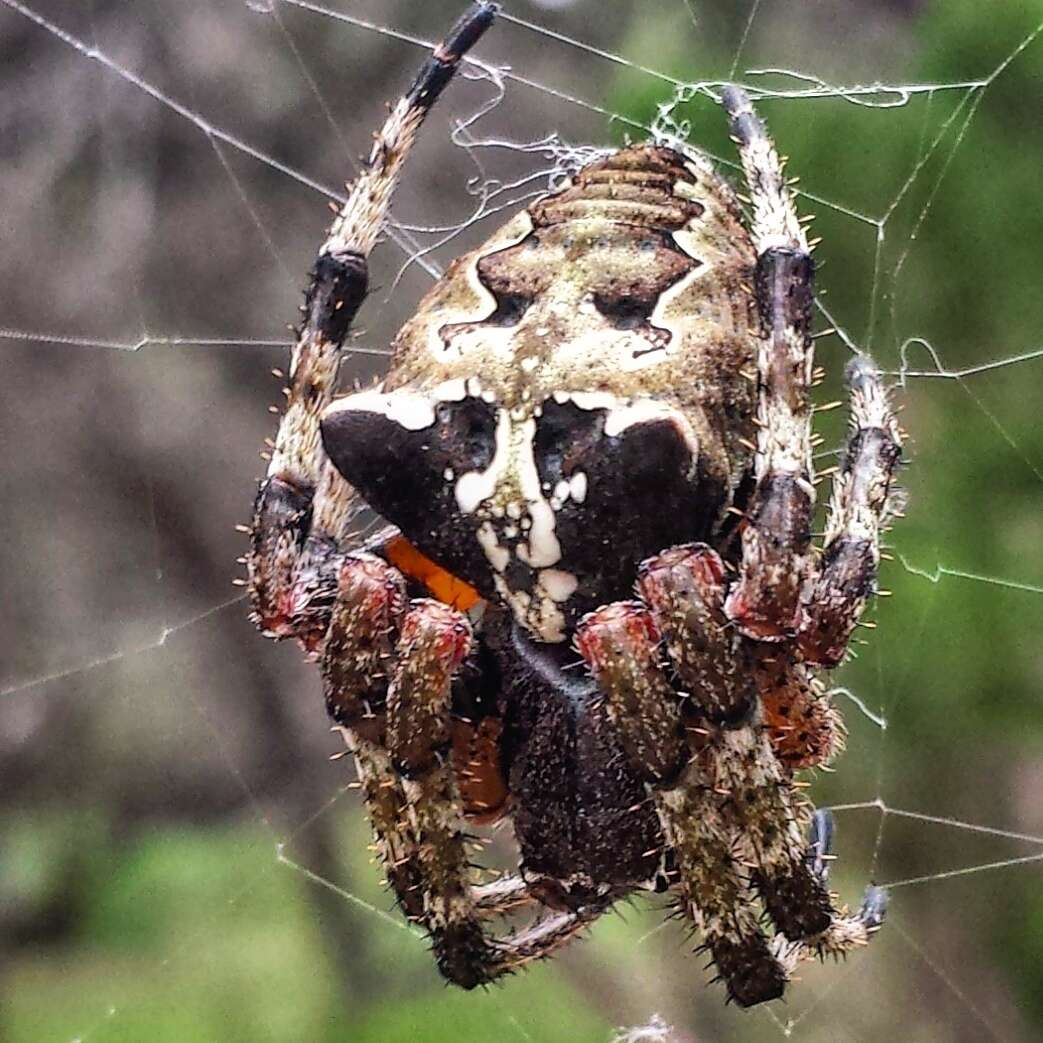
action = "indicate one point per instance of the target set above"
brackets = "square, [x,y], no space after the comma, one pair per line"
[620,643]
[776,536]
[731,814]
[387,664]
[388,668]
[303,506]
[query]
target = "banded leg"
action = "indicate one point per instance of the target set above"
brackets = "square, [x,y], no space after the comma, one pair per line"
[397,845]
[406,772]
[846,931]
[620,647]
[685,589]
[767,818]
[857,511]
[776,536]
[293,560]
[434,640]
[388,805]
[402,742]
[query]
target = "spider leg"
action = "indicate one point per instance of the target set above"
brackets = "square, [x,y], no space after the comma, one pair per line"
[733,817]
[303,505]
[753,759]
[406,853]
[619,643]
[509,892]
[684,588]
[391,702]
[776,536]
[847,573]
[846,931]
[805,729]
[388,667]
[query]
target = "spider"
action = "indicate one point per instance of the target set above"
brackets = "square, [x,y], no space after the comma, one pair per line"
[596,611]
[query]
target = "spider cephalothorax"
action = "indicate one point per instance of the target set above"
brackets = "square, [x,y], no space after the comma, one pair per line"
[597,609]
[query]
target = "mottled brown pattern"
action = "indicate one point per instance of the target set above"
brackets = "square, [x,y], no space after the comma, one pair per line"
[620,645]
[358,643]
[614,388]
[639,223]
[433,642]
[684,588]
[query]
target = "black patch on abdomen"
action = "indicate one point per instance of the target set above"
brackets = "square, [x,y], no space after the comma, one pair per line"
[401,473]
[644,492]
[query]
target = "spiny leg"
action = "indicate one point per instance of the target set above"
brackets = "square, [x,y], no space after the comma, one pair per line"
[619,643]
[723,673]
[749,762]
[858,509]
[434,641]
[303,506]
[402,742]
[357,664]
[684,588]
[804,727]
[776,535]
[767,816]
[846,931]
[620,646]
[301,583]
[396,843]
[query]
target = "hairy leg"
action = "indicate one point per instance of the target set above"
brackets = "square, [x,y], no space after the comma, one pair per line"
[304,507]
[846,931]
[860,503]
[776,534]
[387,663]
[388,668]
[685,590]
[619,643]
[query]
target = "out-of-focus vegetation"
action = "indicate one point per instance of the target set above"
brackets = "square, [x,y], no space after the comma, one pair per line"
[168,815]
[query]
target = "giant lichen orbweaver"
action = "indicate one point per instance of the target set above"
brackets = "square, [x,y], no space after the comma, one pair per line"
[595,610]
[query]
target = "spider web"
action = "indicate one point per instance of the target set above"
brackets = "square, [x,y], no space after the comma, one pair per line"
[170,806]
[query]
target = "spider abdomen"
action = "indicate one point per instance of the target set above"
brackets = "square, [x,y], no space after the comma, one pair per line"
[591,360]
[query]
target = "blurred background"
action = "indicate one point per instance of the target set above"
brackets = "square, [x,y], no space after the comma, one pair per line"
[179,858]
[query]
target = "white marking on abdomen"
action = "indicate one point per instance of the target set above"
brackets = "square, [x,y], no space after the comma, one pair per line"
[559,584]
[475,487]
[645,410]
[498,556]
[543,548]
[411,410]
